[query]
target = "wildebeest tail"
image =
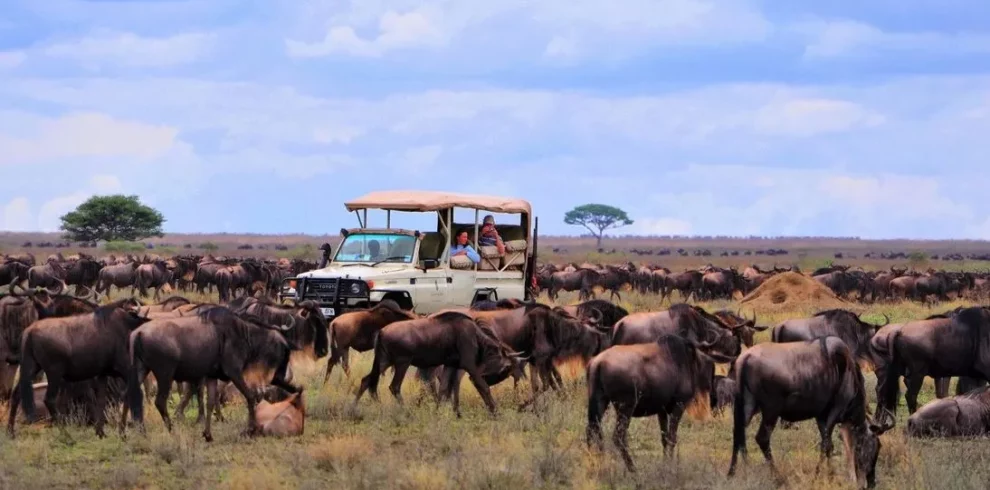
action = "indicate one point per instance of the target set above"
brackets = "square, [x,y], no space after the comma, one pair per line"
[597,404]
[889,380]
[135,398]
[739,406]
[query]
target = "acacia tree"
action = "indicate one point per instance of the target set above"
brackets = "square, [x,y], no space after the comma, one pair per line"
[597,218]
[112,218]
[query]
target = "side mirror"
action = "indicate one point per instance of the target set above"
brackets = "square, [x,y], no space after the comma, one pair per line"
[430,264]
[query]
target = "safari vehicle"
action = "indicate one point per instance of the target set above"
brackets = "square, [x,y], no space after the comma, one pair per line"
[414,268]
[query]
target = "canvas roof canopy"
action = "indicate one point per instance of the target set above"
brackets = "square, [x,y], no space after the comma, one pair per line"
[423,201]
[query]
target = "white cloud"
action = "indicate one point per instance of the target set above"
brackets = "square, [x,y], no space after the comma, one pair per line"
[811,116]
[11,59]
[105,184]
[848,38]
[83,134]
[103,48]
[395,31]
[17,215]
[561,47]
[419,160]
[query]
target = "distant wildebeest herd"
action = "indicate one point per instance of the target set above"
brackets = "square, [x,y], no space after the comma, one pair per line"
[711,282]
[71,350]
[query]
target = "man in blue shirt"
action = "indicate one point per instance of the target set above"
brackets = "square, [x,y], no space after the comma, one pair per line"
[462,248]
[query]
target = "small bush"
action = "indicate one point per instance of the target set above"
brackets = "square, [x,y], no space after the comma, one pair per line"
[123,247]
[208,246]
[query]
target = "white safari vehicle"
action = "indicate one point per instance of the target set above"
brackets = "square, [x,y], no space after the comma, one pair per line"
[414,267]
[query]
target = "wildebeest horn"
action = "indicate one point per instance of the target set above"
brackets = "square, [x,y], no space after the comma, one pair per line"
[14,284]
[514,354]
[92,293]
[596,316]
[284,328]
[61,288]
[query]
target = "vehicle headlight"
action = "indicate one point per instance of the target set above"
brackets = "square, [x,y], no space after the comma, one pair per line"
[356,288]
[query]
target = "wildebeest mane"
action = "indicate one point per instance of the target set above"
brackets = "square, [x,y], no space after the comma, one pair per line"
[611,312]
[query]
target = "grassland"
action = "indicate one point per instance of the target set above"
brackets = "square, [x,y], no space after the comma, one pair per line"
[422,446]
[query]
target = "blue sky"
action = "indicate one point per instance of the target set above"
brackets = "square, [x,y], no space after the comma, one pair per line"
[730,117]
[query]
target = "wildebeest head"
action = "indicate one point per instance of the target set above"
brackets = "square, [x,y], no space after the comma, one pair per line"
[718,336]
[311,326]
[741,327]
[17,312]
[308,325]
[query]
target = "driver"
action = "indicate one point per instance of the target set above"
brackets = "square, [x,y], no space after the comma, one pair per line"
[374,249]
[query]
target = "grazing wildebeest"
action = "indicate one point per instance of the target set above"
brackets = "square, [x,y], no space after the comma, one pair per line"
[50,276]
[795,381]
[687,283]
[358,329]
[966,415]
[451,339]
[844,324]
[215,344]
[655,378]
[953,344]
[73,349]
[154,275]
[691,322]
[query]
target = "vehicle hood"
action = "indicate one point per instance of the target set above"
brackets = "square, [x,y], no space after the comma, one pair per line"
[357,271]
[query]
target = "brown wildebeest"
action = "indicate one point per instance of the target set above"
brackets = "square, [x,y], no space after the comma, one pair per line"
[879,344]
[656,378]
[283,418]
[450,339]
[952,344]
[687,283]
[50,276]
[723,394]
[154,275]
[966,415]
[83,273]
[691,322]
[844,324]
[120,276]
[581,280]
[73,349]
[748,327]
[795,381]
[215,344]
[358,329]
[13,271]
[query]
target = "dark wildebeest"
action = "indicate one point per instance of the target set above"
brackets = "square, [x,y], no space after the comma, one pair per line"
[248,276]
[966,415]
[13,271]
[154,275]
[613,278]
[18,311]
[183,271]
[120,276]
[451,339]
[215,344]
[74,349]
[50,276]
[721,284]
[795,381]
[953,344]
[83,273]
[879,346]
[687,283]
[656,378]
[581,280]
[748,328]
[844,324]
[690,322]
[358,329]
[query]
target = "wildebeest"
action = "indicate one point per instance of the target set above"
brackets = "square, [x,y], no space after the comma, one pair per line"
[50,276]
[358,329]
[844,324]
[722,394]
[154,275]
[966,415]
[691,322]
[953,344]
[655,378]
[581,280]
[451,339]
[13,271]
[83,273]
[282,418]
[73,349]
[119,275]
[215,344]
[747,327]
[687,283]
[816,379]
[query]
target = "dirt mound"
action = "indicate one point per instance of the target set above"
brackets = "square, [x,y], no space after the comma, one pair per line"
[792,291]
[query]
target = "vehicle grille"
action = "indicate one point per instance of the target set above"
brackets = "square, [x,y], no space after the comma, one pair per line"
[324,290]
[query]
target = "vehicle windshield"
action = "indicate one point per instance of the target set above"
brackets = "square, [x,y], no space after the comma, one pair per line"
[376,247]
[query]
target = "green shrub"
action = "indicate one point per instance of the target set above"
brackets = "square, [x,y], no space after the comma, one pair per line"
[124,247]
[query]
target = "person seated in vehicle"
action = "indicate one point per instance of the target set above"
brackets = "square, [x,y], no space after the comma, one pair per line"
[374,251]
[488,235]
[463,248]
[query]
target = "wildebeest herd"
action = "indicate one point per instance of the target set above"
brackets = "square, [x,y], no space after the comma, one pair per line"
[643,364]
[711,282]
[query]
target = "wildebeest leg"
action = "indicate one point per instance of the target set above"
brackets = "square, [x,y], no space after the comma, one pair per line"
[670,434]
[100,404]
[15,401]
[743,410]
[966,384]
[597,405]
[211,400]
[825,428]
[250,397]
[942,387]
[621,438]
[370,382]
[186,389]
[913,382]
[396,386]
[768,422]
[55,383]
[161,398]
[482,387]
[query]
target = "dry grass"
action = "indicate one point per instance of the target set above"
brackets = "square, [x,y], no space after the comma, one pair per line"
[419,446]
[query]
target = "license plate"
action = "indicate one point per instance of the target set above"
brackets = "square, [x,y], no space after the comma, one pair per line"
[327,311]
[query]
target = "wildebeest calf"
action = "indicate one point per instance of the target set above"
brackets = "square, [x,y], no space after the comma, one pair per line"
[966,415]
